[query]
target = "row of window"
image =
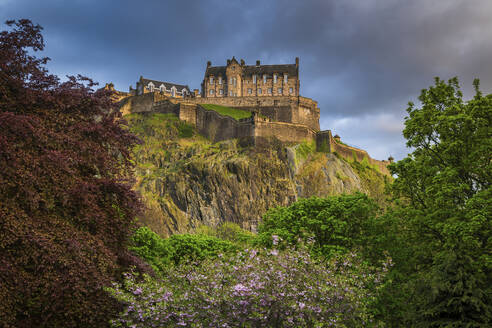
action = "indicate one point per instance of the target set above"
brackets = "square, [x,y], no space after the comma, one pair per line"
[162,88]
[250,91]
[233,81]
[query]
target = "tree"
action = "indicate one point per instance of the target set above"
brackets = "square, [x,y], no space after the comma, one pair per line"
[336,223]
[445,201]
[66,204]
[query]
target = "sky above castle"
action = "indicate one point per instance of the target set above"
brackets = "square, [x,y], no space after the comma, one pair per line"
[361,60]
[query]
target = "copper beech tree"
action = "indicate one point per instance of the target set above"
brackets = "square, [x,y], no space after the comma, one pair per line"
[66,204]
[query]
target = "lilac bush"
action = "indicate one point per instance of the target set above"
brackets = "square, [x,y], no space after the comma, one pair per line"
[255,288]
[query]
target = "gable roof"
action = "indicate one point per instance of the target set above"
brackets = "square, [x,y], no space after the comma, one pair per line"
[289,69]
[167,85]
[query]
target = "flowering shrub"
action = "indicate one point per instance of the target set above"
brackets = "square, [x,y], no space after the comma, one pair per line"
[254,288]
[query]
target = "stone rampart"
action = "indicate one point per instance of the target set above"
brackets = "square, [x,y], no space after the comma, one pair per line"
[285,132]
[325,142]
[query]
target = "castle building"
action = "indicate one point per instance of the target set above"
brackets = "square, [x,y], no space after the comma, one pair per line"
[240,80]
[169,89]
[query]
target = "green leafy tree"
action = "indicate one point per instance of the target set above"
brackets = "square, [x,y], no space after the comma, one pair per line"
[445,203]
[177,249]
[337,223]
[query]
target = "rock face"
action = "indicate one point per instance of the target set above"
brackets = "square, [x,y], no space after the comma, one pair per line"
[187,181]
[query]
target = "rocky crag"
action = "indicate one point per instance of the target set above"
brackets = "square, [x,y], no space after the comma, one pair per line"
[187,181]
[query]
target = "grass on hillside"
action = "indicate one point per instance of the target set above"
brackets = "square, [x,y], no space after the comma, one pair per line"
[235,113]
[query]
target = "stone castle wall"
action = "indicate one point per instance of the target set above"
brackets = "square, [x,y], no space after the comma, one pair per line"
[289,119]
[326,143]
[298,110]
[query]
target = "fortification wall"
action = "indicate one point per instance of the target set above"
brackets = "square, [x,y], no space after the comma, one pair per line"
[218,127]
[324,138]
[285,132]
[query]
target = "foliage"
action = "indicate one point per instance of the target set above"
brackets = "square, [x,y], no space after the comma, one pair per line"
[230,231]
[177,249]
[445,204]
[66,203]
[337,223]
[235,113]
[253,289]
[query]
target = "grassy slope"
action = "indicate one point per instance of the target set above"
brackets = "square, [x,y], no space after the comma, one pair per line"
[236,114]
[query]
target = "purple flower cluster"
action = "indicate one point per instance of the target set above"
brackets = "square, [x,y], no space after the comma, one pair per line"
[255,288]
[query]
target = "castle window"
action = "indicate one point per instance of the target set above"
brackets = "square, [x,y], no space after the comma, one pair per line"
[250,91]
[231,94]
[234,81]
[264,78]
[221,91]
[274,78]
[259,91]
[270,91]
[230,80]
[254,79]
[211,80]
[220,79]
[211,91]
[279,91]
[286,78]
[150,86]
[162,88]
[291,90]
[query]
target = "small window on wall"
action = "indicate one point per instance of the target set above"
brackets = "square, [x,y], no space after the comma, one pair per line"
[250,91]
[234,81]
[221,92]
[291,90]
[270,91]
[279,91]
[211,91]
[274,78]
[211,80]
[264,79]
[231,93]
[230,80]
[220,79]
[259,91]
[254,79]
[286,78]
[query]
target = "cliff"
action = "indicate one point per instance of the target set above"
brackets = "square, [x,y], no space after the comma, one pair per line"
[187,181]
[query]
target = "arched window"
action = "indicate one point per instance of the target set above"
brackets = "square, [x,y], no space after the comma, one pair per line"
[274,78]
[264,78]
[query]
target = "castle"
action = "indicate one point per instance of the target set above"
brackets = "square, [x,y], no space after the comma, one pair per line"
[268,94]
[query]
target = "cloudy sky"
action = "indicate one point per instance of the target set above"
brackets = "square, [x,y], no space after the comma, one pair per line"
[362,60]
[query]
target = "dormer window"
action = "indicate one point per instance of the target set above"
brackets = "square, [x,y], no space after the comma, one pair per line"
[162,88]
[274,78]
[220,79]
[264,78]
[211,80]
[254,79]
[230,80]
[286,78]
[150,86]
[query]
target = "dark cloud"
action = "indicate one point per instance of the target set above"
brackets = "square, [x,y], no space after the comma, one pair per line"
[361,60]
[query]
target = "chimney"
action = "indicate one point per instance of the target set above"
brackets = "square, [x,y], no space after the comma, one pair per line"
[209,63]
[257,63]
[228,62]
[297,61]
[242,62]
[391,159]
[337,137]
